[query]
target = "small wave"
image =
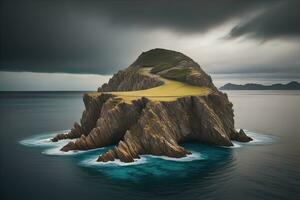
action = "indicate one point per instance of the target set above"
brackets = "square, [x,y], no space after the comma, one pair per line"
[43,139]
[36,142]
[50,148]
[57,152]
[92,162]
[235,145]
[259,138]
[190,157]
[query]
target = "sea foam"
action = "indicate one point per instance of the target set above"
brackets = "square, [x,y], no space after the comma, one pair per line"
[261,139]
[92,162]
[190,157]
[50,148]
[258,139]
[43,140]
[53,148]
[201,158]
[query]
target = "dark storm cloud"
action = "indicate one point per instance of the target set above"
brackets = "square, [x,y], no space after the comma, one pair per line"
[280,21]
[75,36]
[49,36]
[181,16]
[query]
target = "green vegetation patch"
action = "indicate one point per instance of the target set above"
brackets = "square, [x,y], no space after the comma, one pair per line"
[177,74]
[159,58]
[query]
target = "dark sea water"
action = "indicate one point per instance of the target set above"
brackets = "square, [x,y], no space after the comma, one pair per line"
[33,168]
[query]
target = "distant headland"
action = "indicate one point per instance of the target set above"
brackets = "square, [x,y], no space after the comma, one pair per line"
[293,85]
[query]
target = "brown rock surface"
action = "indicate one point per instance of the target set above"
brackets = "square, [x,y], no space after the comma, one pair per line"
[128,80]
[144,126]
[93,104]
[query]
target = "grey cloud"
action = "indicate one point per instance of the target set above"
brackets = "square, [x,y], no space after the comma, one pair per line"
[282,20]
[181,16]
[94,36]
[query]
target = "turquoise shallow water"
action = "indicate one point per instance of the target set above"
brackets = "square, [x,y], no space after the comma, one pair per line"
[33,168]
[203,158]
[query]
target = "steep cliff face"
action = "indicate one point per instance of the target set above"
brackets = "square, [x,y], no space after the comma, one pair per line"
[161,129]
[152,124]
[93,105]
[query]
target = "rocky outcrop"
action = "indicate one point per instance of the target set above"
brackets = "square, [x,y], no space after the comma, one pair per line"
[93,104]
[128,80]
[240,136]
[115,118]
[145,126]
[161,129]
[75,132]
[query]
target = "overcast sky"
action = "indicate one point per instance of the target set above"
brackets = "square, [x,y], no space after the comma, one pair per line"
[41,41]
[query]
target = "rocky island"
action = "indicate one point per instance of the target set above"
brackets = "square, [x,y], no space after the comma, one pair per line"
[160,101]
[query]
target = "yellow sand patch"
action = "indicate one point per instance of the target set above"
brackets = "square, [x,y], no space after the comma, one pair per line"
[169,91]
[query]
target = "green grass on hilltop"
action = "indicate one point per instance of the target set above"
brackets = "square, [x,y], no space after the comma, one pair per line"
[159,58]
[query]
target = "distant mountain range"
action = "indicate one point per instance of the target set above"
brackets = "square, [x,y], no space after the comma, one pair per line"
[293,85]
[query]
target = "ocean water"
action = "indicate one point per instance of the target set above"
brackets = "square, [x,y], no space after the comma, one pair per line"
[33,168]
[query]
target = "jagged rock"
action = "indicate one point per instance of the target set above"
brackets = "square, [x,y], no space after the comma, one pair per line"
[145,126]
[241,136]
[115,118]
[93,103]
[75,132]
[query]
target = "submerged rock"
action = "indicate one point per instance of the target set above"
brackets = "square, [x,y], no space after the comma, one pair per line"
[153,125]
